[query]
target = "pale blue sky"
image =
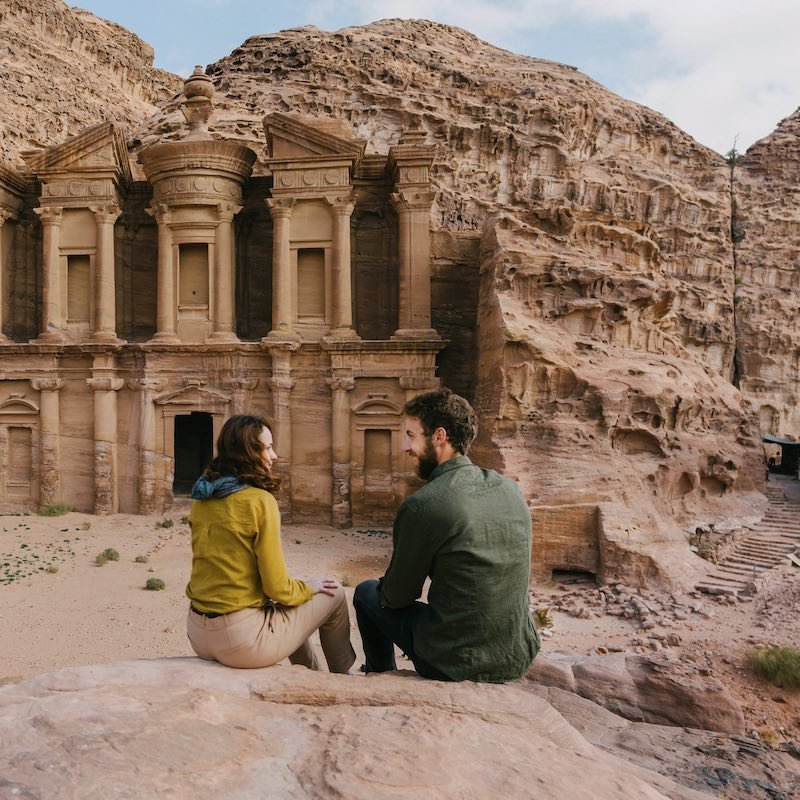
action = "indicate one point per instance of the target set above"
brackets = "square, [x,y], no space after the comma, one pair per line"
[722,70]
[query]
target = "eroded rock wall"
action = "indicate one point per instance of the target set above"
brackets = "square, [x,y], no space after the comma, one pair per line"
[65,69]
[766,228]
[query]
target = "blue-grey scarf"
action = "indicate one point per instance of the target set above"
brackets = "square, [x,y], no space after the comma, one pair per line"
[221,487]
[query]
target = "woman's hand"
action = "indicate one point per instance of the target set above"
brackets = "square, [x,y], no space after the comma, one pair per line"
[323,585]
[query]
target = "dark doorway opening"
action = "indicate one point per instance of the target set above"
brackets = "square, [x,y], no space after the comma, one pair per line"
[192,446]
[571,577]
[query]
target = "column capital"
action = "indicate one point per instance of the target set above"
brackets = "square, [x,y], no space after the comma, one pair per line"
[280,207]
[241,384]
[47,384]
[106,213]
[105,384]
[227,211]
[161,212]
[50,215]
[281,382]
[412,200]
[344,383]
[341,204]
[146,384]
[5,215]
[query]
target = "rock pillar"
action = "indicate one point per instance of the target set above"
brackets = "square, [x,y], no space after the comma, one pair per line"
[53,312]
[282,316]
[106,499]
[281,384]
[341,386]
[342,298]
[4,216]
[414,243]
[105,316]
[147,495]
[49,441]
[223,321]
[165,300]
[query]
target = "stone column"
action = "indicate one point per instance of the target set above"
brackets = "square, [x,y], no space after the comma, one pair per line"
[106,499]
[105,300]
[4,216]
[147,499]
[165,301]
[341,386]
[53,311]
[223,319]
[281,384]
[282,313]
[342,293]
[413,212]
[49,442]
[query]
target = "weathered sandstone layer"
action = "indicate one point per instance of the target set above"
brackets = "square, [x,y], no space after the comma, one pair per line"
[65,69]
[605,344]
[766,229]
[583,262]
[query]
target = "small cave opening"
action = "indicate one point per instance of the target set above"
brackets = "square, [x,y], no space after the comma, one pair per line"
[573,577]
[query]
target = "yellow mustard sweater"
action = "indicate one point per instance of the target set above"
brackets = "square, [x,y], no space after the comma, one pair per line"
[237,558]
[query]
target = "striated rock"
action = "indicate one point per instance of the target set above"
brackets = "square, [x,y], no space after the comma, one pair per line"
[184,728]
[766,229]
[65,69]
[645,688]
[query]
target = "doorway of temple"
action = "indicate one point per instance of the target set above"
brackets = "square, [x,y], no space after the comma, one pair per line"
[192,447]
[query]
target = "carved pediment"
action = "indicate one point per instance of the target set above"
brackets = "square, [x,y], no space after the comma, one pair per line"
[17,404]
[290,138]
[196,398]
[99,149]
[377,404]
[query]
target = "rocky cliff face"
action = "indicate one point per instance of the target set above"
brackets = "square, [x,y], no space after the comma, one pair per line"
[602,234]
[64,69]
[766,228]
[586,240]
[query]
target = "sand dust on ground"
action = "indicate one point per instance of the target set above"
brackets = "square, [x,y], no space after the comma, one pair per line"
[59,608]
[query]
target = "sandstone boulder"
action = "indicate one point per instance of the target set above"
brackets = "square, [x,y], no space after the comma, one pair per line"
[646,688]
[183,728]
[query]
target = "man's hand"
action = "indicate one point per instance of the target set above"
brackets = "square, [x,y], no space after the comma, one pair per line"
[323,585]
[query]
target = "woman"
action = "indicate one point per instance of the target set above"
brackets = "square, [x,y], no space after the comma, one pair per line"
[245,609]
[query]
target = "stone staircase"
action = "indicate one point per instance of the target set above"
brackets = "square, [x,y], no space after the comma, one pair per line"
[762,547]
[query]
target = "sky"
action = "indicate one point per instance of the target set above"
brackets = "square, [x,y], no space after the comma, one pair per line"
[726,71]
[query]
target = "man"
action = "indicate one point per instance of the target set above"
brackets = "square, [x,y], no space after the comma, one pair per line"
[469,530]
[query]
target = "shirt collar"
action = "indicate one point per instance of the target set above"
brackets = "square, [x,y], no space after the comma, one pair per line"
[451,463]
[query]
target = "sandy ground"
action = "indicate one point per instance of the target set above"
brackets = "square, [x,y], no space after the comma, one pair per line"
[60,609]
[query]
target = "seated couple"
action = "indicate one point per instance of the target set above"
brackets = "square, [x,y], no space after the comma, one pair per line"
[468,529]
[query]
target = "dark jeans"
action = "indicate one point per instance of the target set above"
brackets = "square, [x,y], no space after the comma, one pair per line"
[382,628]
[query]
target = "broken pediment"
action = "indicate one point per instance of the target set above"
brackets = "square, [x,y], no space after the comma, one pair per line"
[291,138]
[99,151]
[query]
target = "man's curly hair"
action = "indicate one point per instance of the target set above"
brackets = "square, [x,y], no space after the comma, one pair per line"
[445,409]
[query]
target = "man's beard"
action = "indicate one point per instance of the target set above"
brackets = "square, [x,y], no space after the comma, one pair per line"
[427,463]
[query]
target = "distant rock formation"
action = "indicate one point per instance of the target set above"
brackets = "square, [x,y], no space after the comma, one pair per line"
[584,267]
[65,69]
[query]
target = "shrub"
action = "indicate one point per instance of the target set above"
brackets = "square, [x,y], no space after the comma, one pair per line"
[109,554]
[778,665]
[141,559]
[55,510]
[164,523]
[154,584]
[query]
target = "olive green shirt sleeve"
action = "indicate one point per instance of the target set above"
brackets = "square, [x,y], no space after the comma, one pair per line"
[413,550]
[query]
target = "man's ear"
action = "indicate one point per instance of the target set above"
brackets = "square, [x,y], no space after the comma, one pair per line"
[439,436]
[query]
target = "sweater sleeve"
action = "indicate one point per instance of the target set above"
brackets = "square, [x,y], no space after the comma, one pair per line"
[275,580]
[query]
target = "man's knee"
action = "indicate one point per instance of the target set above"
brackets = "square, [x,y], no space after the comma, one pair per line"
[365,594]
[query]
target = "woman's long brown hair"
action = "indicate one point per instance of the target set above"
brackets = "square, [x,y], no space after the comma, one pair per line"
[240,453]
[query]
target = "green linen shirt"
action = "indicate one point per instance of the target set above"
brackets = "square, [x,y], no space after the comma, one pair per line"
[469,530]
[237,558]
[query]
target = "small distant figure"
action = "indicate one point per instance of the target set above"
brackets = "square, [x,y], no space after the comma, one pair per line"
[469,530]
[245,609]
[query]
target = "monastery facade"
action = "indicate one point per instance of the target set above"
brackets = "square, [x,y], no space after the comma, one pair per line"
[137,315]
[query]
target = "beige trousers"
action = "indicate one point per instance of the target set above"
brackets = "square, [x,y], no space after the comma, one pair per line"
[260,637]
